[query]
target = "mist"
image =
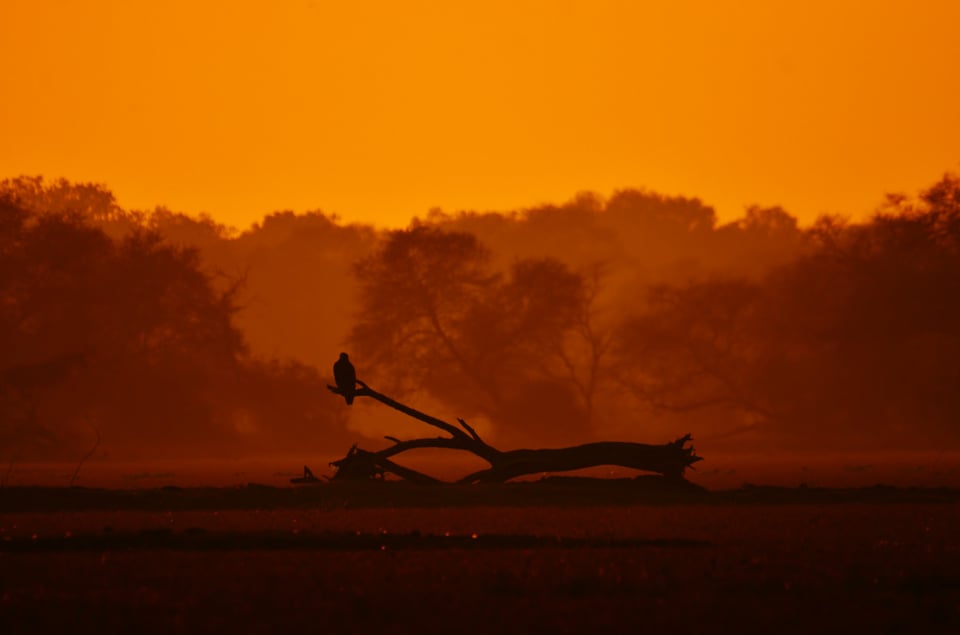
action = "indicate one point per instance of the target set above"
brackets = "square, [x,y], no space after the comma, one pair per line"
[151,334]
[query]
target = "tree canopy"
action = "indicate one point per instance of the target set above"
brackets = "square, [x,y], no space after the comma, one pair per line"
[129,336]
[633,316]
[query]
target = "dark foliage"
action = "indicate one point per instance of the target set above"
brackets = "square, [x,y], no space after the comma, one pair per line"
[631,318]
[129,339]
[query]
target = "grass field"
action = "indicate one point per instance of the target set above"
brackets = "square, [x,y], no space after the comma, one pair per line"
[752,566]
[718,471]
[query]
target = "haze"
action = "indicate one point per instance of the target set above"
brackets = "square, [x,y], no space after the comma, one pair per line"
[379,111]
[632,317]
[563,221]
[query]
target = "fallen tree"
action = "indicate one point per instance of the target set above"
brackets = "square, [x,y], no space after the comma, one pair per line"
[669,459]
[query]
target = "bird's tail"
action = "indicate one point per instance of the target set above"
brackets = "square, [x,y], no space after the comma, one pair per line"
[349,399]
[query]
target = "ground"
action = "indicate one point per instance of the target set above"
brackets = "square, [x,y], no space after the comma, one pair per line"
[872,561]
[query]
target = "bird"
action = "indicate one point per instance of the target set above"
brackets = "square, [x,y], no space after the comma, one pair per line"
[346,377]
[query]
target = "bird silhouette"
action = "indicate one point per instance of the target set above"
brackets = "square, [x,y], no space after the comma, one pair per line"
[346,377]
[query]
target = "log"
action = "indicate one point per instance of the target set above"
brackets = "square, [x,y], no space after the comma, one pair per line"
[669,459]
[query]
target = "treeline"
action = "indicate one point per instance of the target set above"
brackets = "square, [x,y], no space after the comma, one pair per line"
[641,317]
[123,336]
[635,317]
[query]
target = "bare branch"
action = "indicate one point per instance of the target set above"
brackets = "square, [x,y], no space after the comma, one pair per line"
[669,459]
[469,428]
[366,391]
[86,456]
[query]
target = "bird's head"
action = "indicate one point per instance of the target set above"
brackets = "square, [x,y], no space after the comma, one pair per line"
[344,356]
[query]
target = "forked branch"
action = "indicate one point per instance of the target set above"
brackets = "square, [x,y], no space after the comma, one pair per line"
[669,459]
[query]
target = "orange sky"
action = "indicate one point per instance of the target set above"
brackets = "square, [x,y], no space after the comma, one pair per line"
[380,110]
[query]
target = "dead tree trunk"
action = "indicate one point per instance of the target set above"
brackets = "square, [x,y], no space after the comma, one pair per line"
[669,459]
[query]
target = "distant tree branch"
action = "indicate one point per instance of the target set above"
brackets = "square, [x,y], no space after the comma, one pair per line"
[86,456]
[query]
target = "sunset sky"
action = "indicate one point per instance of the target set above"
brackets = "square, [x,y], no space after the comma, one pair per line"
[378,111]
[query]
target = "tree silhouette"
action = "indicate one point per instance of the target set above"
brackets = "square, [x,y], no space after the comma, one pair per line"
[164,366]
[760,329]
[436,317]
[855,340]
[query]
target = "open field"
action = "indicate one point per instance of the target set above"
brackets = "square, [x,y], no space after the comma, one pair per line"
[877,560]
[718,471]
